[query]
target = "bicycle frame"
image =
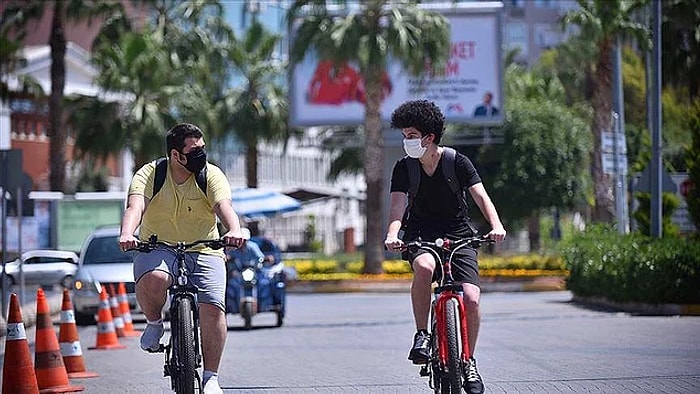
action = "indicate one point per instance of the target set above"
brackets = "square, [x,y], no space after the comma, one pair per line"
[445,291]
[179,290]
[439,367]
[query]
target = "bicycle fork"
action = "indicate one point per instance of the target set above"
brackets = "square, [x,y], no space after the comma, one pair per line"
[442,324]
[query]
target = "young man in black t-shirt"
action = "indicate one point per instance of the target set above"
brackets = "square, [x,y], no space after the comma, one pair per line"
[435,211]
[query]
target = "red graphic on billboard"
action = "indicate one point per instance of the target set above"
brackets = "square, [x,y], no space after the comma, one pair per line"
[337,84]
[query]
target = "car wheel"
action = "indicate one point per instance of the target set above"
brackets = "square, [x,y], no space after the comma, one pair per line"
[67,282]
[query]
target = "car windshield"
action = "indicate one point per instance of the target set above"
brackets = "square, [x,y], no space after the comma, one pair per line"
[48,260]
[105,251]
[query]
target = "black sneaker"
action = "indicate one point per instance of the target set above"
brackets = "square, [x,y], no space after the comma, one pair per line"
[420,353]
[472,380]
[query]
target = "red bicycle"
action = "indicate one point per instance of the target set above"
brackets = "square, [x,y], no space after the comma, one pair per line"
[449,340]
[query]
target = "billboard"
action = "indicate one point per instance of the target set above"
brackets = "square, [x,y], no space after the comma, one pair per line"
[470,90]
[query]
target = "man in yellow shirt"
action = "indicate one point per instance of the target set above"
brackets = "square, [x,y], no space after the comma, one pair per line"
[182,209]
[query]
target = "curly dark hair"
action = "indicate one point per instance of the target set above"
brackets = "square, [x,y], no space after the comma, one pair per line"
[424,115]
[176,136]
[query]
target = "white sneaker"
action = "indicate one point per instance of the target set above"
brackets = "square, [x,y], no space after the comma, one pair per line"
[150,339]
[211,386]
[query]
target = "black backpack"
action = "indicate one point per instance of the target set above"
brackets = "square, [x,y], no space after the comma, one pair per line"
[448,171]
[162,171]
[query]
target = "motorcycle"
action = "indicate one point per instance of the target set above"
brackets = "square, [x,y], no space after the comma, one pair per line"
[256,286]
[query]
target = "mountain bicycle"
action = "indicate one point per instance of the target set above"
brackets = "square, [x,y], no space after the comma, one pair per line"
[183,352]
[449,340]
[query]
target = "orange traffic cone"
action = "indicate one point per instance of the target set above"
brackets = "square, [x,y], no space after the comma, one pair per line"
[69,342]
[17,369]
[106,335]
[116,314]
[125,310]
[50,371]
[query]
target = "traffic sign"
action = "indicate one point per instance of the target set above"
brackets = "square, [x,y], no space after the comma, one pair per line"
[607,143]
[609,163]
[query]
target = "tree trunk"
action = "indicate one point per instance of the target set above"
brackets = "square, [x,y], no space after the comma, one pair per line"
[374,169]
[251,175]
[251,166]
[604,210]
[57,132]
[533,229]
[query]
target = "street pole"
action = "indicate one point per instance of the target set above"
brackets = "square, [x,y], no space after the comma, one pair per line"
[656,229]
[618,139]
[3,235]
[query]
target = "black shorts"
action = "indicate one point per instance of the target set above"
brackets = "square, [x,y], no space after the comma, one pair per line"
[465,268]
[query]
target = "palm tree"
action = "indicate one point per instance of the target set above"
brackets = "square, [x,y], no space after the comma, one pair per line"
[603,22]
[368,38]
[172,70]
[19,13]
[258,110]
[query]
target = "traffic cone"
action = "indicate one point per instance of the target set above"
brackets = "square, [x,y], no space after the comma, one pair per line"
[50,371]
[106,335]
[125,310]
[17,369]
[69,342]
[116,314]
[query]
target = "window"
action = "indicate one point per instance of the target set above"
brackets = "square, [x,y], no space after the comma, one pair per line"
[517,37]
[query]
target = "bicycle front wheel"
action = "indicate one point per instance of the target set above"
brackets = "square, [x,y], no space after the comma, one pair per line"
[184,347]
[452,382]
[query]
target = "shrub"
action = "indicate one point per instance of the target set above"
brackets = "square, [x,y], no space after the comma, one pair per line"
[633,268]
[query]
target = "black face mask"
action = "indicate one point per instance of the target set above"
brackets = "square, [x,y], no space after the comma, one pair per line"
[196,160]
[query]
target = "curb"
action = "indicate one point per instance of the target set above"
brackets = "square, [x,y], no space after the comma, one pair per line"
[55,301]
[641,308]
[489,284]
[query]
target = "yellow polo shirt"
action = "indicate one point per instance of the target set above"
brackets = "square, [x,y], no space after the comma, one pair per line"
[181,212]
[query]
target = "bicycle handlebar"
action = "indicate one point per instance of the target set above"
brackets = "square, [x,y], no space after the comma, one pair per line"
[450,245]
[153,243]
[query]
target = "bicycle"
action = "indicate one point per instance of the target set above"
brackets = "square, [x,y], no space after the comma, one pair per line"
[449,340]
[182,354]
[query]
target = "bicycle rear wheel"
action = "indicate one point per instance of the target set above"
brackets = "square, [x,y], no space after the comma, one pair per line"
[452,379]
[184,348]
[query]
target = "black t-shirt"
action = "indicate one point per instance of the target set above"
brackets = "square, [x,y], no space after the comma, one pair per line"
[435,210]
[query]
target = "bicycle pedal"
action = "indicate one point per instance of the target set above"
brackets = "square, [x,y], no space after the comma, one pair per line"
[424,371]
[160,349]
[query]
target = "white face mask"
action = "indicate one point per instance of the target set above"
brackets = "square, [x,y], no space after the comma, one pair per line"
[413,147]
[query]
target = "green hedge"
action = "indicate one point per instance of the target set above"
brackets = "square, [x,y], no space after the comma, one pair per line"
[633,268]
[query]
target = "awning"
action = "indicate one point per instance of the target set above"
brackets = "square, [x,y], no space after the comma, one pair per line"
[258,203]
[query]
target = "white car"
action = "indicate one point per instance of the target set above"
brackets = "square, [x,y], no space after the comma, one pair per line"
[43,267]
[101,263]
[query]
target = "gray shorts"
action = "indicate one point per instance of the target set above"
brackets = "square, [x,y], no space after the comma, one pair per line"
[207,272]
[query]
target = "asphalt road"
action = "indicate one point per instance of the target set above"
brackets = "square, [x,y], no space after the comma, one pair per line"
[357,343]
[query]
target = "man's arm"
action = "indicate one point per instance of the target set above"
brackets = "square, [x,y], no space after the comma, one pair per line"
[397,207]
[135,207]
[482,199]
[224,210]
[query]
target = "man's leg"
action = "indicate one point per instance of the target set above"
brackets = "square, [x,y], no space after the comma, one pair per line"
[151,292]
[213,325]
[472,296]
[423,267]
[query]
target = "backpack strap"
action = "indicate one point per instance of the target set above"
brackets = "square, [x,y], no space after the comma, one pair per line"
[162,170]
[202,179]
[449,157]
[160,173]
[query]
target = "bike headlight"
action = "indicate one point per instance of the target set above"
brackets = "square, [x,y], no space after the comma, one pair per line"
[248,275]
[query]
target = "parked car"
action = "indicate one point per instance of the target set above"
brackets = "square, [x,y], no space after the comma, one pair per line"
[44,267]
[101,263]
